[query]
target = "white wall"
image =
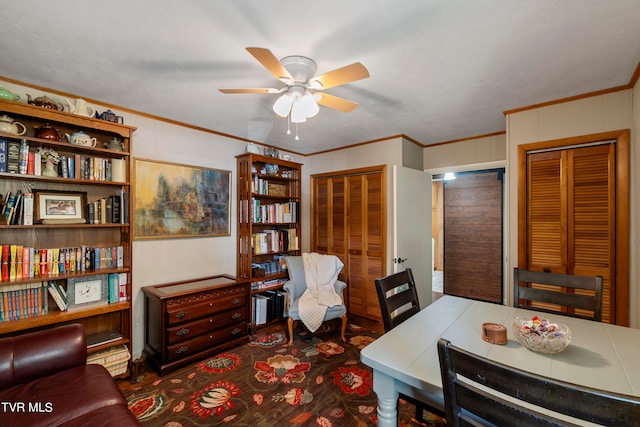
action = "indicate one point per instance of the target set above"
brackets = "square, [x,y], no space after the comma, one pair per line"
[477,151]
[602,113]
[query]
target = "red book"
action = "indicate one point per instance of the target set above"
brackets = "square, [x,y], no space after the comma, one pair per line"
[5,263]
[31,162]
[43,262]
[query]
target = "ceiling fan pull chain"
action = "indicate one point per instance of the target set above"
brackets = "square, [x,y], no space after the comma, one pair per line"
[289,124]
[297,137]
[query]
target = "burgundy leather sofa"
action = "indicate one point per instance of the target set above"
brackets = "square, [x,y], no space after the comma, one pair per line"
[45,381]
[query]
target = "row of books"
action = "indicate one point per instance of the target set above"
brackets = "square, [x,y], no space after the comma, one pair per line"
[273,241]
[19,158]
[268,306]
[92,168]
[109,210]
[267,188]
[267,284]
[27,300]
[274,213]
[23,301]
[22,263]
[17,208]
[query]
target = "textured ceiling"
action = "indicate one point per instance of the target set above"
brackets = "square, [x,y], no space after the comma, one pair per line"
[440,70]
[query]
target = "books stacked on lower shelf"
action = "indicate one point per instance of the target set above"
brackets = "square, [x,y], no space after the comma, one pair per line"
[115,359]
[21,301]
[101,338]
[269,306]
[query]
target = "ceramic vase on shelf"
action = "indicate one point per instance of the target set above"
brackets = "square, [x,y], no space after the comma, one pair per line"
[49,169]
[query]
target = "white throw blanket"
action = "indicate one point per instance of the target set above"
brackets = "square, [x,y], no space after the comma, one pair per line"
[321,273]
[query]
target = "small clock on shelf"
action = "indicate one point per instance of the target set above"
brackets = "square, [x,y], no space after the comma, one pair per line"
[85,291]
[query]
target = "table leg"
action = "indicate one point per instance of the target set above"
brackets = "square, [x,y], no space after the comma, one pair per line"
[385,389]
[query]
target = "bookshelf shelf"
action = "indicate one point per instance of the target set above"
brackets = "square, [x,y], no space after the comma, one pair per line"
[268,223]
[90,171]
[56,317]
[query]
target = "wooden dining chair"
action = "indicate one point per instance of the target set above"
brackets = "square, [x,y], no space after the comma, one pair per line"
[398,299]
[466,404]
[559,290]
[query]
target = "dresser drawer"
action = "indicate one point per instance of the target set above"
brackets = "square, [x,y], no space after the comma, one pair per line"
[178,313]
[190,330]
[192,346]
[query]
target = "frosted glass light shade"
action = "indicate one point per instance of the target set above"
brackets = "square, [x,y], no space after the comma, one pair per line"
[282,106]
[297,113]
[309,105]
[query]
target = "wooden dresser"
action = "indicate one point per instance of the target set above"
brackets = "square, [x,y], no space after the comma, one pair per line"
[190,320]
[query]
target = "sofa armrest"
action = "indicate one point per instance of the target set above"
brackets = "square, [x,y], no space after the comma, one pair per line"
[26,357]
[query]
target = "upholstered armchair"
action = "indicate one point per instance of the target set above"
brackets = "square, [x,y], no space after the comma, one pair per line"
[296,286]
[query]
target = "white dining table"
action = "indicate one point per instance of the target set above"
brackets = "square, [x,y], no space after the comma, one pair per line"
[405,359]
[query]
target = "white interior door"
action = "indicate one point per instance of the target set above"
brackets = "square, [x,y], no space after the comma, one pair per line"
[412,227]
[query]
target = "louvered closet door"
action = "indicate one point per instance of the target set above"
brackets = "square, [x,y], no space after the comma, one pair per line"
[364,242]
[374,242]
[329,219]
[571,215]
[348,221]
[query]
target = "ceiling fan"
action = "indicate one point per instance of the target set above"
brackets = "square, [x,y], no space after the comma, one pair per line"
[303,90]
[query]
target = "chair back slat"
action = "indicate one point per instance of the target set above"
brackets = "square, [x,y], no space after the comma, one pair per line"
[398,298]
[560,290]
[465,401]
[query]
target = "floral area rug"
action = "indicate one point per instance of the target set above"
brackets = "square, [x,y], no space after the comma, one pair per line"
[319,381]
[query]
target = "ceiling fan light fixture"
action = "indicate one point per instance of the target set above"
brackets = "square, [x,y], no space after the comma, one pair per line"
[298,113]
[309,105]
[282,106]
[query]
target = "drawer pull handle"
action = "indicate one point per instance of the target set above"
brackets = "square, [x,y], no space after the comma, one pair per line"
[235,301]
[181,314]
[236,331]
[181,349]
[182,332]
[236,316]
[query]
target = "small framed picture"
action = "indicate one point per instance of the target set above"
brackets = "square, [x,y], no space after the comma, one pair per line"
[86,291]
[59,207]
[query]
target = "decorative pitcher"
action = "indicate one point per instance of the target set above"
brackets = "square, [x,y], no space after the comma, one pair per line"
[81,108]
[8,125]
[5,94]
[45,102]
[81,138]
[115,144]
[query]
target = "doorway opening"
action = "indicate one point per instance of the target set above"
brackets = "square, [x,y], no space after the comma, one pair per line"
[467,234]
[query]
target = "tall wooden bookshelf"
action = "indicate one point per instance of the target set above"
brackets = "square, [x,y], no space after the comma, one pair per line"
[269,215]
[26,302]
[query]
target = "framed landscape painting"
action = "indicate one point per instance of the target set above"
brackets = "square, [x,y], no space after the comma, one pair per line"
[176,201]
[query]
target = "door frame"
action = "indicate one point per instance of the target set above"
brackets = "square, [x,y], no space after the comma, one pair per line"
[621,138]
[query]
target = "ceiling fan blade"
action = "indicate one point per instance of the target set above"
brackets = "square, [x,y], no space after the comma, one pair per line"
[271,63]
[336,103]
[346,74]
[252,90]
